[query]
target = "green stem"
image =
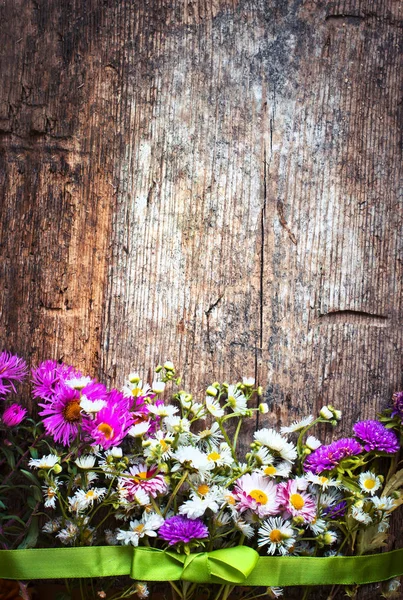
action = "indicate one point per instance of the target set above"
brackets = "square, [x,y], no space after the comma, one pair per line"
[176,490]
[237,430]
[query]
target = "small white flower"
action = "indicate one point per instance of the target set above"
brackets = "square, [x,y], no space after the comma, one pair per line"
[322,481]
[195,459]
[69,533]
[236,400]
[312,442]
[46,462]
[289,452]
[214,408]
[221,456]
[275,592]
[318,526]
[384,503]
[281,469]
[270,438]
[197,505]
[369,482]
[86,462]
[177,425]
[139,429]
[116,452]
[297,425]
[78,383]
[91,406]
[248,381]
[147,525]
[50,493]
[277,535]
[163,410]
[359,515]
[134,377]
[325,413]
[329,538]
[141,589]
[210,437]
[245,528]
[52,526]
[158,387]
[263,456]
[83,499]
[263,408]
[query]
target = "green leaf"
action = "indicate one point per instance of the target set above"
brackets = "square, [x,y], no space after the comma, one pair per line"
[32,535]
[370,539]
[9,456]
[394,483]
[31,477]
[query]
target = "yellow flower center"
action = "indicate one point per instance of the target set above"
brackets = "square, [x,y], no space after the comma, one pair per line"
[203,489]
[51,493]
[259,496]
[136,391]
[323,480]
[230,500]
[369,484]
[106,430]
[275,536]
[297,501]
[90,494]
[142,475]
[270,470]
[72,411]
[214,456]
[164,445]
[139,528]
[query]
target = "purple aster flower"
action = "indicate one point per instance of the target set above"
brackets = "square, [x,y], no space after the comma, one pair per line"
[181,529]
[376,436]
[13,415]
[48,375]
[326,458]
[336,511]
[397,409]
[63,414]
[12,368]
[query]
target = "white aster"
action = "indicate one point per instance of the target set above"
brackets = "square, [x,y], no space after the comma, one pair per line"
[384,503]
[197,505]
[46,462]
[221,456]
[85,461]
[323,482]
[297,425]
[214,407]
[194,458]
[281,469]
[78,383]
[52,526]
[163,410]
[248,381]
[50,493]
[277,534]
[210,437]
[369,482]
[177,425]
[312,442]
[83,499]
[91,406]
[245,528]
[270,438]
[139,429]
[147,525]
[237,400]
[361,516]
[69,533]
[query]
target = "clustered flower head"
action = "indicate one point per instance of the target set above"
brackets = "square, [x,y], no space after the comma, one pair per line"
[169,474]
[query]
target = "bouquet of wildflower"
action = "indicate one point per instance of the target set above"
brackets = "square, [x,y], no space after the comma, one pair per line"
[125,467]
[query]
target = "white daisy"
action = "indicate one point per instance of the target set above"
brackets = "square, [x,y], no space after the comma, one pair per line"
[163,410]
[297,425]
[197,505]
[289,452]
[317,526]
[245,528]
[221,456]
[46,462]
[384,503]
[147,525]
[263,456]
[270,438]
[78,383]
[177,425]
[83,499]
[194,458]
[359,515]
[159,446]
[312,442]
[91,406]
[139,429]
[85,461]
[369,482]
[214,407]
[329,538]
[69,533]
[281,469]
[322,481]
[237,400]
[211,437]
[50,493]
[158,387]
[277,535]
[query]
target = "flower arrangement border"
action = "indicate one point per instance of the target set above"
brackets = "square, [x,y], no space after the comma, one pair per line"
[239,565]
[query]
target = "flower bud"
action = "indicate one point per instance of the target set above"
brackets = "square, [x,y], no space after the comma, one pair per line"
[325,413]
[211,391]
[158,387]
[57,469]
[263,408]
[134,377]
[169,366]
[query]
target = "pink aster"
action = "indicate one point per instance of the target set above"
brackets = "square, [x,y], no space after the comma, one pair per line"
[256,493]
[294,502]
[62,415]
[12,368]
[48,376]
[111,424]
[13,415]
[145,478]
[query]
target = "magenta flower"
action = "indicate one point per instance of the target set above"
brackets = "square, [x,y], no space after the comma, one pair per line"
[145,478]
[13,415]
[294,502]
[111,424]
[326,458]
[376,437]
[12,368]
[181,529]
[63,414]
[397,409]
[47,377]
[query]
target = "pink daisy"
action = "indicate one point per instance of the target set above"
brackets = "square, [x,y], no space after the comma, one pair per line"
[13,415]
[295,502]
[47,377]
[63,414]
[145,478]
[256,493]
[12,368]
[111,424]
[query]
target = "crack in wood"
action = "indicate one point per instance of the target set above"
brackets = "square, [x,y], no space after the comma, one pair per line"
[354,317]
[208,313]
[283,222]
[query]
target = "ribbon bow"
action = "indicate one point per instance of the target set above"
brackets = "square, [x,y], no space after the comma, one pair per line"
[229,565]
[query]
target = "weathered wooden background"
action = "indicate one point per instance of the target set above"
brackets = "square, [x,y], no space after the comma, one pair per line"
[214,182]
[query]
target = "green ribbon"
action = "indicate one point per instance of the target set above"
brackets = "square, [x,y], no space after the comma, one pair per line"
[239,565]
